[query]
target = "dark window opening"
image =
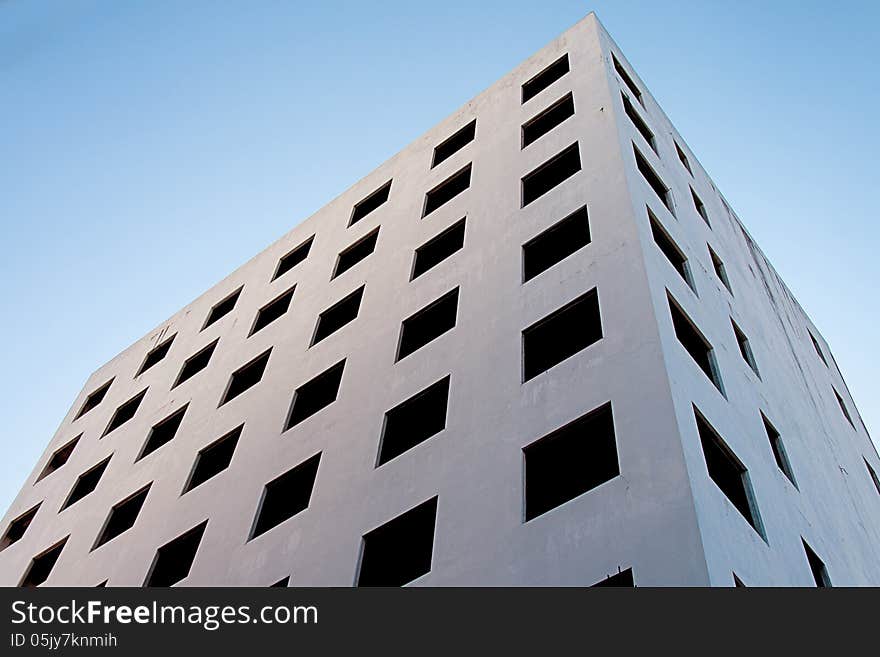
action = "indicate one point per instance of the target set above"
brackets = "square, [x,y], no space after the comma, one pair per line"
[778,449]
[570,461]
[540,125]
[745,349]
[447,190]
[561,334]
[653,180]
[638,122]
[701,209]
[163,432]
[720,271]
[156,354]
[427,324]
[555,244]
[873,474]
[281,583]
[438,248]
[272,311]
[94,398]
[553,172]
[694,343]
[843,408]
[18,527]
[728,473]
[223,308]
[59,458]
[246,377]
[738,583]
[315,395]
[414,421]
[622,579]
[455,143]
[125,412]
[683,158]
[102,584]
[195,363]
[355,253]
[338,315]
[122,516]
[174,560]
[545,78]
[370,203]
[286,495]
[213,459]
[817,348]
[627,80]
[400,550]
[670,250]
[817,567]
[85,483]
[41,565]
[293,258]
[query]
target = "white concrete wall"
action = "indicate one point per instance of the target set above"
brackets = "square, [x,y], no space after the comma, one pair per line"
[647,518]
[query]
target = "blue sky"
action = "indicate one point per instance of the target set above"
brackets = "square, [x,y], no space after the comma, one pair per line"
[151,147]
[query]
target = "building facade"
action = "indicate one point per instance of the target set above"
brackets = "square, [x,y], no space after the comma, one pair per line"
[536,347]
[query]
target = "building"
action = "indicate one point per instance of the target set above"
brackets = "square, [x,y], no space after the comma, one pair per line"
[536,347]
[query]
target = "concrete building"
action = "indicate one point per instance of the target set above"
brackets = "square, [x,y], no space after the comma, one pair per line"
[536,347]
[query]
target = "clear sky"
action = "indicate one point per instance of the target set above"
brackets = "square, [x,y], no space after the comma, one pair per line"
[148,148]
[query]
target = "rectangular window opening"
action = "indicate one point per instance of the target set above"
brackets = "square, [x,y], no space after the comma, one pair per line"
[447,190]
[428,324]
[355,253]
[438,248]
[728,473]
[552,173]
[41,565]
[455,143]
[315,395]
[873,475]
[413,421]
[545,78]
[701,209]
[720,271]
[246,377]
[627,80]
[818,348]
[401,550]
[293,258]
[562,239]
[156,354]
[273,310]
[570,461]
[621,579]
[745,349]
[213,459]
[683,158]
[174,560]
[286,496]
[778,449]
[694,343]
[19,525]
[195,363]
[540,125]
[817,567]
[561,334]
[222,308]
[125,412]
[85,484]
[669,248]
[94,398]
[122,516]
[843,407]
[163,432]
[59,458]
[338,315]
[370,203]
[654,181]
[638,122]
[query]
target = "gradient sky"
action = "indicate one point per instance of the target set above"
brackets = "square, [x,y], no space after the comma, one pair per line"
[148,148]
